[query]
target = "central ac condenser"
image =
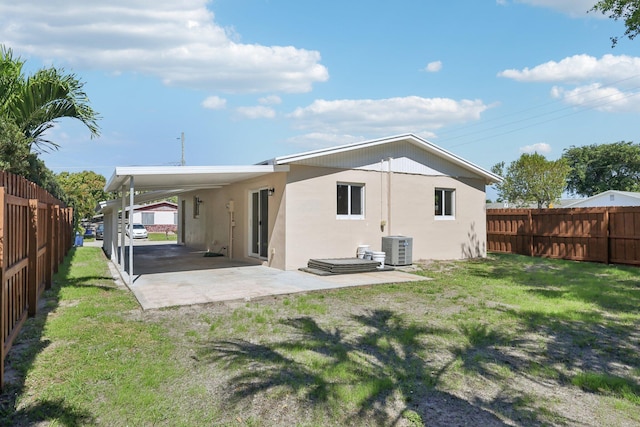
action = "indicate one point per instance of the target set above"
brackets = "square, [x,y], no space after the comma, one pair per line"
[398,250]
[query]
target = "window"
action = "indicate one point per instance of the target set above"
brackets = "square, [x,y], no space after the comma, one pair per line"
[147,218]
[350,201]
[444,203]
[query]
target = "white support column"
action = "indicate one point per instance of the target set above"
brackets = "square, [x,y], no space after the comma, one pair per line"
[131,194]
[122,222]
[113,231]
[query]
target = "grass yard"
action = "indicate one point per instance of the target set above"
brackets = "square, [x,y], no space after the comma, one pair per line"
[162,236]
[507,340]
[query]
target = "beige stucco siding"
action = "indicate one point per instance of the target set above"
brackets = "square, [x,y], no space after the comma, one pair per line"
[303,223]
[212,230]
[314,231]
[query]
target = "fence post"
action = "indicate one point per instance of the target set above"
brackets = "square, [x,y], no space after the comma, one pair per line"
[3,297]
[55,253]
[606,232]
[32,251]
[48,268]
[530,227]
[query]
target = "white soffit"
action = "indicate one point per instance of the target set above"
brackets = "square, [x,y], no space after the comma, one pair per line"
[147,178]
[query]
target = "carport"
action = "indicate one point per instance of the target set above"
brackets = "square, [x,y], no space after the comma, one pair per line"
[139,184]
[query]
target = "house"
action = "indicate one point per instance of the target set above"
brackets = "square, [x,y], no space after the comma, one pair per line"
[562,203]
[157,216]
[608,198]
[321,204]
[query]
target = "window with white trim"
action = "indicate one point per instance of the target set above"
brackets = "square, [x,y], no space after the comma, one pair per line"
[445,203]
[350,201]
[148,218]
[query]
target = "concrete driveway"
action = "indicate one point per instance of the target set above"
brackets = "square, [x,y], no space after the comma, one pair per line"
[168,275]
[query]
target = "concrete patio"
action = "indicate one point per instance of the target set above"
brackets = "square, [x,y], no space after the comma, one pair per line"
[167,274]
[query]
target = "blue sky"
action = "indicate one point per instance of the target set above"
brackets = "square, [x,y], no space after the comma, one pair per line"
[248,80]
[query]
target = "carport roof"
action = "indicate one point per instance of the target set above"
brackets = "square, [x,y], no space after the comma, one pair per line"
[184,178]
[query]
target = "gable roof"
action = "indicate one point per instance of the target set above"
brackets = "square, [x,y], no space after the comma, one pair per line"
[371,150]
[630,194]
[157,206]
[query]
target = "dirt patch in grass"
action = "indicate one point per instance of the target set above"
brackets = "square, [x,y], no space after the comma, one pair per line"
[501,341]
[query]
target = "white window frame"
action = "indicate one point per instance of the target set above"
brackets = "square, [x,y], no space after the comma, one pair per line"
[144,218]
[443,215]
[351,186]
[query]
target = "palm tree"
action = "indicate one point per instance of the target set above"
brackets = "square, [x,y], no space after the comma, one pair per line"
[34,103]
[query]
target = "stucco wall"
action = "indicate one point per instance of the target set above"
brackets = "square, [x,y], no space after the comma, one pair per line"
[303,223]
[211,229]
[313,231]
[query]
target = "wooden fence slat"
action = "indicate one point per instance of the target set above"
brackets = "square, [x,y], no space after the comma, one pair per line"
[605,234]
[3,296]
[32,249]
[35,235]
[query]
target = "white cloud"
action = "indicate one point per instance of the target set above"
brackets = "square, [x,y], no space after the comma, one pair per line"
[606,84]
[385,116]
[573,8]
[178,42]
[580,68]
[256,112]
[270,100]
[540,147]
[433,67]
[595,96]
[214,103]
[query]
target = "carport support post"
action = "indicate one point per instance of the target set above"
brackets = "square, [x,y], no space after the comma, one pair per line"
[131,191]
[122,242]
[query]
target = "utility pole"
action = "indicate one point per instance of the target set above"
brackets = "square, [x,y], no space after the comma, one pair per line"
[182,140]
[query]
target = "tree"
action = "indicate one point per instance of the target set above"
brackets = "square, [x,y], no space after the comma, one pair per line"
[14,148]
[532,179]
[627,10]
[601,167]
[84,190]
[34,103]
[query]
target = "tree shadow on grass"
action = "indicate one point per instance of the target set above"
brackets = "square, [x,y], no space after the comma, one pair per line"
[596,332]
[28,345]
[377,377]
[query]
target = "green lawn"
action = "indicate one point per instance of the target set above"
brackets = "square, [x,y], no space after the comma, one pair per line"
[162,236]
[507,339]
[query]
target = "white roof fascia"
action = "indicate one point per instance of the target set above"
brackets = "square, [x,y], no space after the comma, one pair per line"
[121,175]
[487,175]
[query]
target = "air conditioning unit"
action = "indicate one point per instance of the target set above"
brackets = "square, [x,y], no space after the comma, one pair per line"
[398,250]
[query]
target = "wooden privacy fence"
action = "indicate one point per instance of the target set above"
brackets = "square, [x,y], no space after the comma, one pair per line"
[36,231]
[604,234]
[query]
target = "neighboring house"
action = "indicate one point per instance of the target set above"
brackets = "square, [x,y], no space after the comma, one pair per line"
[562,203]
[157,217]
[323,203]
[608,198]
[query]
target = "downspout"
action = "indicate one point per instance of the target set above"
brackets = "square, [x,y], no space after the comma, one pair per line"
[389,173]
[383,222]
[232,223]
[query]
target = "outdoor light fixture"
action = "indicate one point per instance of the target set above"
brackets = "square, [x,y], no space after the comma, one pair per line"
[271,190]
